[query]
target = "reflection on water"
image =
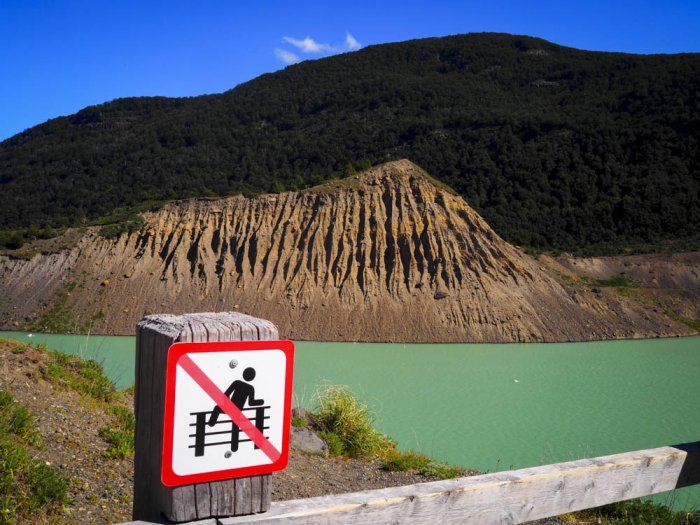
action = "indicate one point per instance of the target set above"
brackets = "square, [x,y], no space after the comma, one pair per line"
[494,407]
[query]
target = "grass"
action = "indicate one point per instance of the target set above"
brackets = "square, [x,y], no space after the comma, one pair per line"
[414,461]
[638,512]
[121,437]
[346,425]
[619,281]
[335,185]
[299,422]
[27,485]
[623,285]
[627,287]
[130,225]
[438,184]
[690,323]
[353,174]
[56,241]
[84,376]
[693,324]
[87,377]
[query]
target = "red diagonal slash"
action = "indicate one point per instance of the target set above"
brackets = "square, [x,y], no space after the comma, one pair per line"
[230,409]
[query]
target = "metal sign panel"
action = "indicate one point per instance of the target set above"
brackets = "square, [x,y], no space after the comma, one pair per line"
[227,410]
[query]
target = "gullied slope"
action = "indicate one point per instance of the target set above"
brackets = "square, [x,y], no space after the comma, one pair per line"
[381,256]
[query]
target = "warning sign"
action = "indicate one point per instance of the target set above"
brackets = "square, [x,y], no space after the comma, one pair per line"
[227,410]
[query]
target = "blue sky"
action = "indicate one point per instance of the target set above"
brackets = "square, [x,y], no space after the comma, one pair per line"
[58,56]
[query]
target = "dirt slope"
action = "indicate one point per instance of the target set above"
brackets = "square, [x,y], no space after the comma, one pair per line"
[383,256]
[101,488]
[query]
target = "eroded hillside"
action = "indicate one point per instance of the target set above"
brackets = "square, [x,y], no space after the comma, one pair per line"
[381,256]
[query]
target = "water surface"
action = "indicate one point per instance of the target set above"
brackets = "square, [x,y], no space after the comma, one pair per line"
[493,407]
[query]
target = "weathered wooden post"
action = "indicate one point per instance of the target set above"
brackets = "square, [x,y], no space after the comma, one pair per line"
[153,500]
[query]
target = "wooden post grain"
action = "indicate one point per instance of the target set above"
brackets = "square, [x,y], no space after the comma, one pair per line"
[152,500]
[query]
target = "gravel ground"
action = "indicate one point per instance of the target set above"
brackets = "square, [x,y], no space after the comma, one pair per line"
[101,488]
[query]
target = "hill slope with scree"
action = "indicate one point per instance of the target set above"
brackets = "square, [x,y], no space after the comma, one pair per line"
[385,255]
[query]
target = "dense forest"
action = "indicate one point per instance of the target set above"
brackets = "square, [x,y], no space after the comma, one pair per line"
[555,147]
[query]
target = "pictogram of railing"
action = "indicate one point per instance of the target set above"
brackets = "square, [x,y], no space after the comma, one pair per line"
[233,433]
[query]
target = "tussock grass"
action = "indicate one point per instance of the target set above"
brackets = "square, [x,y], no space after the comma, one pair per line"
[346,424]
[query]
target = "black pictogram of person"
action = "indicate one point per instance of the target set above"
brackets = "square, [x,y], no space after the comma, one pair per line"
[239,392]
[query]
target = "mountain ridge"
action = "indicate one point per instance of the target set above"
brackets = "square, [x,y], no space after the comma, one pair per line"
[556,147]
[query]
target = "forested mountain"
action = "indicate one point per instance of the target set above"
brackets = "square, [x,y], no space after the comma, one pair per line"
[555,147]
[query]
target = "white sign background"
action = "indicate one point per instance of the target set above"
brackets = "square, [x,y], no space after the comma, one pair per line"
[269,384]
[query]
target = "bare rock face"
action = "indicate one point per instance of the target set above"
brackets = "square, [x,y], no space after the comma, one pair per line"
[382,256]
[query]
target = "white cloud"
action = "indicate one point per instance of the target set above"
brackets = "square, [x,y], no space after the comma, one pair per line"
[308,45]
[351,43]
[286,56]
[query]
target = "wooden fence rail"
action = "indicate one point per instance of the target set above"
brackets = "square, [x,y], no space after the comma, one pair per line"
[506,497]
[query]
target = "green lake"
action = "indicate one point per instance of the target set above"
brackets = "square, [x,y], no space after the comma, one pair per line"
[493,407]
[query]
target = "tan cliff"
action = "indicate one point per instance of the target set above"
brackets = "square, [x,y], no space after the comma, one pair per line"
[385,255]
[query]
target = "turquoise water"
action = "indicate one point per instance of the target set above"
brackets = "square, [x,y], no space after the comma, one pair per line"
[494,407]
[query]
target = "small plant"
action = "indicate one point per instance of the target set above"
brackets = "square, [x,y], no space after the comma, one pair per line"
[121,437]
[341,415]
[413,461]
[299,422]
[404,461]
[336,446]
[15,419]
[622,284]
[441,470]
